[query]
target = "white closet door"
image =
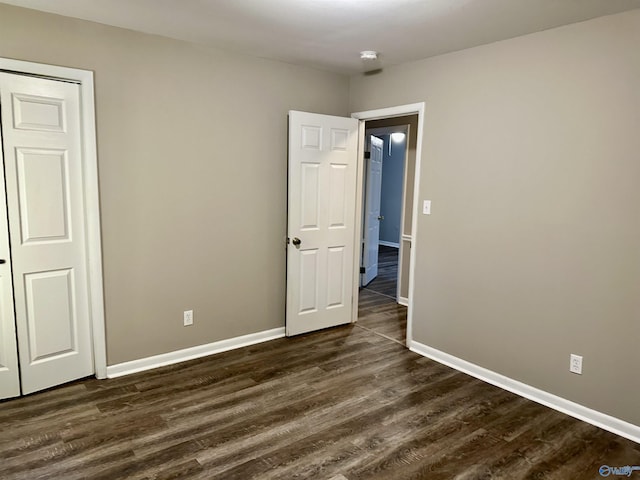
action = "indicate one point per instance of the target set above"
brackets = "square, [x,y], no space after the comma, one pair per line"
[43,170]
[9,373]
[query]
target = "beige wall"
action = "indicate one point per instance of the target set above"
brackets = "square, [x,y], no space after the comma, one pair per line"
[532,252]
[192,163]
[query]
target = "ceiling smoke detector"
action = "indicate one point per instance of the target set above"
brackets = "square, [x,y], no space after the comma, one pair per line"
[369,55]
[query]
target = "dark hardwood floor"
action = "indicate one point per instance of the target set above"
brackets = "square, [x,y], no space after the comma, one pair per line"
[341,404]
[381,314]
[386,281]
[378,310]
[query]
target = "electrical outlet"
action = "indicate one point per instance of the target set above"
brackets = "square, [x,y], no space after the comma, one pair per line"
[575,364]
[188,318]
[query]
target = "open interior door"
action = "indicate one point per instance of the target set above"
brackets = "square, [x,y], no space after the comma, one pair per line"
[321,221]
[372,212]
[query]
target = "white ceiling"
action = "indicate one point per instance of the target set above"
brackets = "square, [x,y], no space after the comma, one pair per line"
[329,34]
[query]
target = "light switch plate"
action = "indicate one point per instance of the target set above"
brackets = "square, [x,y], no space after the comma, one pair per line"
[426,207]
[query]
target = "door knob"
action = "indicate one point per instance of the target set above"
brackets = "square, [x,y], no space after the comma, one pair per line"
[296,241]
[2,260]
[381,217]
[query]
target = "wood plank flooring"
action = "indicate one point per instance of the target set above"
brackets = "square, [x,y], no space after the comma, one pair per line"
[377,309]
[382,315]
[341,404]
[386,281]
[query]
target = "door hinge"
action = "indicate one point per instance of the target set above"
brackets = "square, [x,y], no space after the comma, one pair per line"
[367,155]
[362,270]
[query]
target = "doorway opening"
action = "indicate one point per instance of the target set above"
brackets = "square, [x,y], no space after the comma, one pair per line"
[384,207]
[326,222]
[384,296]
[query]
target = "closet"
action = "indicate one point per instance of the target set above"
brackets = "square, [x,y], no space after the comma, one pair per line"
[45,311]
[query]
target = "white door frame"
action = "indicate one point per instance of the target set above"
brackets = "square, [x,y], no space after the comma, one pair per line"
[399,111]
[90,190]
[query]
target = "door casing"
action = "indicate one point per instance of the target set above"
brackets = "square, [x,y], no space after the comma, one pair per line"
[382,113]
[90,190]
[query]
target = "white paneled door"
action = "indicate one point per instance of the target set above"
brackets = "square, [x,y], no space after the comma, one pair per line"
[9,373]
[372,216]
[321,221]
[41,147]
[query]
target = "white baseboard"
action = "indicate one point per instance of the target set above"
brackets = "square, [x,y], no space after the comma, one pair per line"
[403,301]
[384,243]
[191,353]
[599,419]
